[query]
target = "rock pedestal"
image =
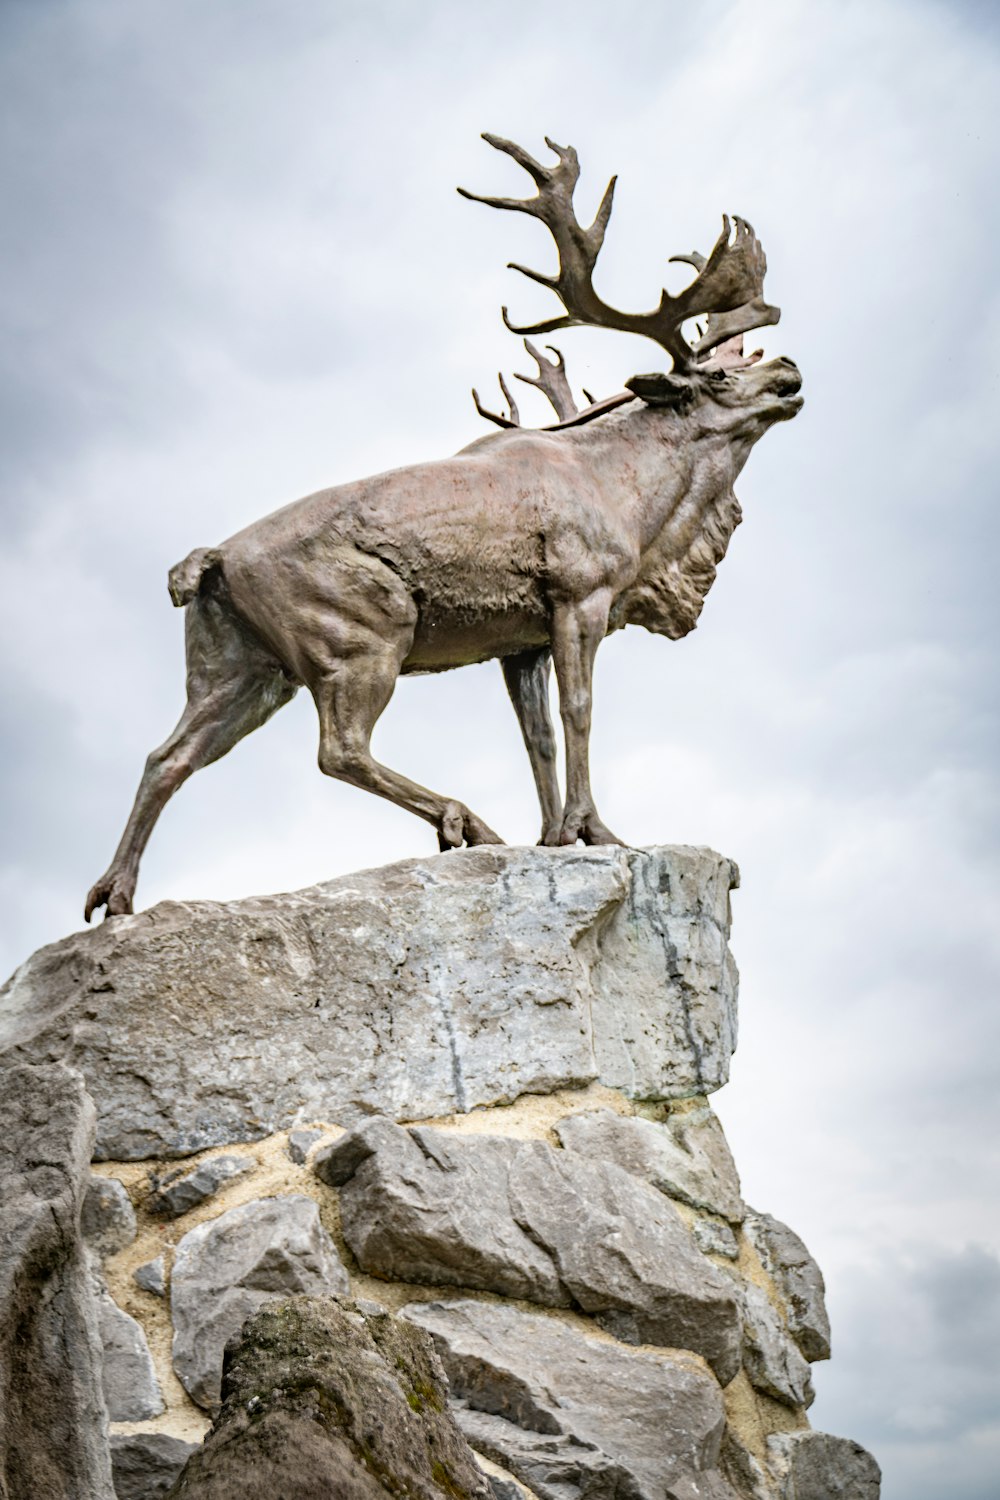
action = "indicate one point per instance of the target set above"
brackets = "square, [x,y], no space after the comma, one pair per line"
[473,1090]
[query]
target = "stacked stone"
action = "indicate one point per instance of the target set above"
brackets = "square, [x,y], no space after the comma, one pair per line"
[474,1089]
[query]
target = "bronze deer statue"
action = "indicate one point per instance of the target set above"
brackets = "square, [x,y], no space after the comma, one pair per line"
[528,546]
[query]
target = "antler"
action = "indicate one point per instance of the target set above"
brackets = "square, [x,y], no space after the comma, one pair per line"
[728,286]
[551,380]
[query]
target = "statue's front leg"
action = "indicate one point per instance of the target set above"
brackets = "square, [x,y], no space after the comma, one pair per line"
[577,631]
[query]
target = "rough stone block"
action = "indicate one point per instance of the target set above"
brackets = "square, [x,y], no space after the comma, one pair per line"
[53,1421]
[572,1417]
[417,990]
[152,1276]
[818,1466]
[525,1220]
[713,1238]
[300,1143]
[686,1156]
[323,1400]
[107,1219]
[128,1379]
[799,1279]
[146,1464]
[772,1360]
[178,1192]
[225,1269]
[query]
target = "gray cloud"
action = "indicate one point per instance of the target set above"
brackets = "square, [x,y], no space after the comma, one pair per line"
[916,1367]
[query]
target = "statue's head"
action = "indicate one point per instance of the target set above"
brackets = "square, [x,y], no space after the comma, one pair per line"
[710,375]
[744,400]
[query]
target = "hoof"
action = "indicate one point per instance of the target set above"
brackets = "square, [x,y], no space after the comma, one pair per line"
[116,899]
[460,826]
[585,830]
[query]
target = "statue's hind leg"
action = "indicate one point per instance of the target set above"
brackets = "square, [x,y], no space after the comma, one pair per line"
[233,686]
[527,679]
[350,692]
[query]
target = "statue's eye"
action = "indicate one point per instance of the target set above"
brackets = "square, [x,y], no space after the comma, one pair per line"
[716,374]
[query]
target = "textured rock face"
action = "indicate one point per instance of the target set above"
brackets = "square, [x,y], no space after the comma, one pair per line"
[226,1269]
[572,1417]
[525,1220]
[53,1423]
[323,1400]
[412,991]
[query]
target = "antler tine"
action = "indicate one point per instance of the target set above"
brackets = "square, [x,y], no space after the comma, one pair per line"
[514,420]
[551,380]
[695,259]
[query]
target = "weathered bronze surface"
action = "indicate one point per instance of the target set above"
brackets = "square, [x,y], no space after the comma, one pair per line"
[528,546]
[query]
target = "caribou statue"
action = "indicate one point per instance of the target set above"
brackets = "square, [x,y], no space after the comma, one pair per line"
[529,546]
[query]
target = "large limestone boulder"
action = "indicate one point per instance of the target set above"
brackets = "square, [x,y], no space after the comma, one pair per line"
[417,990]
[572,1417]
[525,1220]
[53,1422]
[322,1400]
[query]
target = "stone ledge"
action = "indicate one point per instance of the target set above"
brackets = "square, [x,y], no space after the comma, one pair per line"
[421,989]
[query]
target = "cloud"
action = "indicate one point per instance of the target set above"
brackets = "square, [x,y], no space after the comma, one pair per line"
[913,1371]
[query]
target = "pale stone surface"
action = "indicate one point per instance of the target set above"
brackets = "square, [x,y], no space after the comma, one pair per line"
[53,1421]
[525,1220]
[799,1279]
[570,1416]
[331,1401]
[178,1192]
[818,1466]
[107,1219]
[772,1360]
[225,1269]
[145,1464]
[713,1238]
[128,1379]
[416,990]
[152,1276]
[686,1156]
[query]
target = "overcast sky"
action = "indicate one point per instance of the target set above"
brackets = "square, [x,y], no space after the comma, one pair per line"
[235,270]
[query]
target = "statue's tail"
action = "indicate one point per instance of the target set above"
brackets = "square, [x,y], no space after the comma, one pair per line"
[185,578]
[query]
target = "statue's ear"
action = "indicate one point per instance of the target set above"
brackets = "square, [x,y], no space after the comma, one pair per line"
[660,389]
